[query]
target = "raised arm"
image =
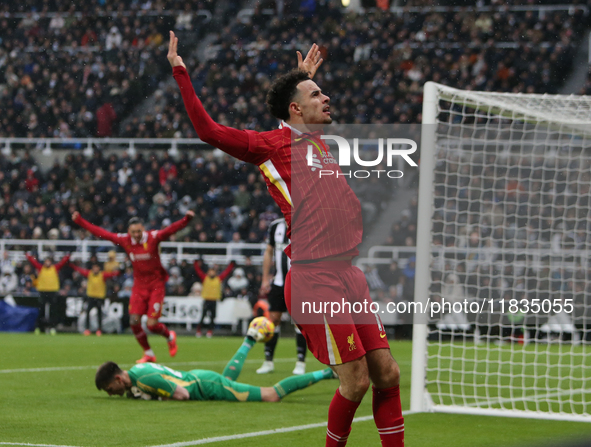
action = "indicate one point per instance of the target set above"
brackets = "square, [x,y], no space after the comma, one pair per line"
[228,270]
[33,261]
[197,267]
[97,231]
[232,141]
[83,272]
[168,231]
[63,262]
[107,275]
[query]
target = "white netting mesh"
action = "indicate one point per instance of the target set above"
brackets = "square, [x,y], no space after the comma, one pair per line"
[510,231]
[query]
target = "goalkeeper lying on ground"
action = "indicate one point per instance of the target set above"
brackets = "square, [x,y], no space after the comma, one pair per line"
[152,381]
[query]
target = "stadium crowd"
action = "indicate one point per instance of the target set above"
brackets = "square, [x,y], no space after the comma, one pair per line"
[102,6]
[80,76]
[228,196]
[78,72]
[374,68]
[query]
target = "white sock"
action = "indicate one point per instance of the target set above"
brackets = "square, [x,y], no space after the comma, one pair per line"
[149,352]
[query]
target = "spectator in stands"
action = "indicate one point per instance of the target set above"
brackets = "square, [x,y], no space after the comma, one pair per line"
[373,278]
[125,292]
[167,172]
[5,262]
[196,289]
[114,39]
[174,285]
[105,117]
[392,274]
[238,282]
[111,265]
[8,280]
[184,19]
[453,292]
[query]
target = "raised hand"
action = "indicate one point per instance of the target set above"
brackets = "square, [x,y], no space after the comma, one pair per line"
[312,62]
[174,59]
[75,215]
[190,214]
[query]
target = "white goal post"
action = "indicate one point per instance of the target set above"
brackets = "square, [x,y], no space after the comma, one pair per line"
[503,255]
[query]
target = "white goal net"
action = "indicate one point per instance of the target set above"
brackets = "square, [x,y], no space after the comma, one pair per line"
[503,255]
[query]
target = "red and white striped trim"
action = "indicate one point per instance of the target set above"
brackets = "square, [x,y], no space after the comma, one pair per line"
[391,430]
[331,435]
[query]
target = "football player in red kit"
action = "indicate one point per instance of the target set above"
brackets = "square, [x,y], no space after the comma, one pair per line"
[323,217]
[149,276]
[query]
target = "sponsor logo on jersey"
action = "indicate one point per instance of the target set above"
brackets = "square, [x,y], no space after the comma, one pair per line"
[139,256]
[314,163]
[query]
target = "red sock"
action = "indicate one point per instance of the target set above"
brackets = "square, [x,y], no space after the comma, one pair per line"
[387,413]
[140,336]
[159,328]
[340,416]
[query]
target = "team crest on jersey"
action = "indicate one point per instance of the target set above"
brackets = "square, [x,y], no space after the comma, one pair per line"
[351,341]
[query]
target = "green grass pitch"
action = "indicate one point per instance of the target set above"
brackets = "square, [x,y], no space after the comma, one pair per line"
[48,397]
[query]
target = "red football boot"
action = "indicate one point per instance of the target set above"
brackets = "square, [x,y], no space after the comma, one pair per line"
[147,359]
[172,347]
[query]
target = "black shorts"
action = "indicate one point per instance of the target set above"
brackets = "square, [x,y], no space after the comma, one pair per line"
[276,299]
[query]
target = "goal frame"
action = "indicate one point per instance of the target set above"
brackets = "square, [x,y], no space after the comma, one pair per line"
[420,399]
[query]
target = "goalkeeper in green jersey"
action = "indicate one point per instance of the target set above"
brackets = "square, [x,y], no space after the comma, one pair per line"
[153,381]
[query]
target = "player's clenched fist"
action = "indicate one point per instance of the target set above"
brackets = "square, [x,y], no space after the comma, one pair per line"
[174,59]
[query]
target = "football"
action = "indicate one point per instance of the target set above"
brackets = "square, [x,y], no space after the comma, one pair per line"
[261,329]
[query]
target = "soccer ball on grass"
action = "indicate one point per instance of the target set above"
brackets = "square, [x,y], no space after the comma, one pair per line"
[261,329]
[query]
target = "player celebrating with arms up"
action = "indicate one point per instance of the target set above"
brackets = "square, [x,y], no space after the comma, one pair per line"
[324,222]
[149,276]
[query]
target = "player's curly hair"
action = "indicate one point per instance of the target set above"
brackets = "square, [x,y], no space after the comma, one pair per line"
[105,374]
[282,91]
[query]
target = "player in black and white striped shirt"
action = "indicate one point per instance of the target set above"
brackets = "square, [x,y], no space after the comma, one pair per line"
[273,287]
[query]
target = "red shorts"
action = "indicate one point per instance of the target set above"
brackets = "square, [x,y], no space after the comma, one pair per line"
[145,301]
[330,303]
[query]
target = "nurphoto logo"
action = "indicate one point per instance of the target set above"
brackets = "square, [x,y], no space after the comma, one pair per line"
[395,147]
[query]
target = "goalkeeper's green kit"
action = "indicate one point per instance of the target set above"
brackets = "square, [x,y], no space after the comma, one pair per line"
[159,380]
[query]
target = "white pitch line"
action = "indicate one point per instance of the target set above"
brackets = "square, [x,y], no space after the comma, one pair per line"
[74,368]
[262,433]
[34,445]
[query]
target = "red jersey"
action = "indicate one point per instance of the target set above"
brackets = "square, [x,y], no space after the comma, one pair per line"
[145,255]
[323,215]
